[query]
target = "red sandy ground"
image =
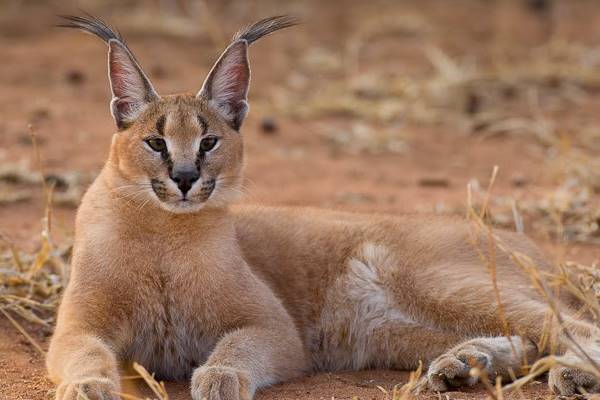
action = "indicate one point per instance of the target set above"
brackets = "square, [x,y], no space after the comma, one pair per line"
[294,166]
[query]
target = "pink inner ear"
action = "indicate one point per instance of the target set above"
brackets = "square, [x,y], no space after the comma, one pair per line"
[126,79]
[239,71]
[231,75]
[116,72]
[227,84]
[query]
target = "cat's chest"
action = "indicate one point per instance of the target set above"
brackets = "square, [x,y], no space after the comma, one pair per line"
[171,336]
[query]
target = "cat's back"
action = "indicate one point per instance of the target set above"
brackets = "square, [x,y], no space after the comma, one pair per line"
[303,250]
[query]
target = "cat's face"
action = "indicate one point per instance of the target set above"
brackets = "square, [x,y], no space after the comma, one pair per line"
[184,152]
[179,154]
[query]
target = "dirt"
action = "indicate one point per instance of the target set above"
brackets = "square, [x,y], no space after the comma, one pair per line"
[56,80]
[22,375]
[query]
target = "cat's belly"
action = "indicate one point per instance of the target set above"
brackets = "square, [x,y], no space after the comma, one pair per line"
[360,323]
[169,344]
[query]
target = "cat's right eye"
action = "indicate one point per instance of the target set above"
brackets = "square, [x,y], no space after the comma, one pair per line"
[157,144]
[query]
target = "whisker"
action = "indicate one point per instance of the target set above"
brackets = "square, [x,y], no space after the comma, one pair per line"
[132,194]
[240,191]
[137,184]
[139,210]
[131,197]
[124,187]
[243,180]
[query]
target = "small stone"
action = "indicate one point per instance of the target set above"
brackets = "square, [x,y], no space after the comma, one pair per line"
[519,180]
[509,91]
[473,103]
[539,5]
[268,126]
[39,114]
[24,138]
[75,77]
[158,71]
[434,181]
[58,181]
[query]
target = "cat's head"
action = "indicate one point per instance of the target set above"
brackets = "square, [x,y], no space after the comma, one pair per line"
[182,152]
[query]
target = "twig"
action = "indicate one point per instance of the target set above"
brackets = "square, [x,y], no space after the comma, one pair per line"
[23,332]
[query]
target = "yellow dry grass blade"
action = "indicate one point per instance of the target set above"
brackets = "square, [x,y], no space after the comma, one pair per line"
[40,259]
[22,330]
[410,389]
[157,387]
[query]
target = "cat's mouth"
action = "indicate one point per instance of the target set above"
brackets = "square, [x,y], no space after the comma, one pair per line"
[189,202]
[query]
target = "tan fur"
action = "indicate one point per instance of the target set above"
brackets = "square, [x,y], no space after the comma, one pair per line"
[240,298]
[383,291]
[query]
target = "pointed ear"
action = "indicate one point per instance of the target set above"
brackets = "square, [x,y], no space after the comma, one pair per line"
[131,88]
[226,86]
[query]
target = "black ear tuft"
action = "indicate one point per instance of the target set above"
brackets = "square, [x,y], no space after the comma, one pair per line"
[92,25]
[131,88]
[226,86]
[264,27]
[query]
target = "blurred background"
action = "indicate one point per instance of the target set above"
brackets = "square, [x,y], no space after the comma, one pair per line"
[382,106]
[390,106]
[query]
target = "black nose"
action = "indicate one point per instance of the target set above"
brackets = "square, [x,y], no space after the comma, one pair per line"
[185,178]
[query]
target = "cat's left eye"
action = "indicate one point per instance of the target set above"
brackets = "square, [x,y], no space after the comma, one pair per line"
[157,144]
[208,143]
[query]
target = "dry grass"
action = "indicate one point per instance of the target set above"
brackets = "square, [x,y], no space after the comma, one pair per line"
[577,279]
[18,183]
[361,138]
[31,283]
[408,391]
[498,94]
[583,281]
[157,388]
[568,212]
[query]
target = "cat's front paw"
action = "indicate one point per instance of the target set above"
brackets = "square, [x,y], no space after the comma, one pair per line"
[88,389]
[452,369]
[219,383]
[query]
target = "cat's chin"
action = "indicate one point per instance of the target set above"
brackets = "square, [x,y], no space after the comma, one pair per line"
[183,206]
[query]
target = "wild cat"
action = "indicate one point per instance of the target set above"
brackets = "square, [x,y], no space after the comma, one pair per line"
[166,273]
